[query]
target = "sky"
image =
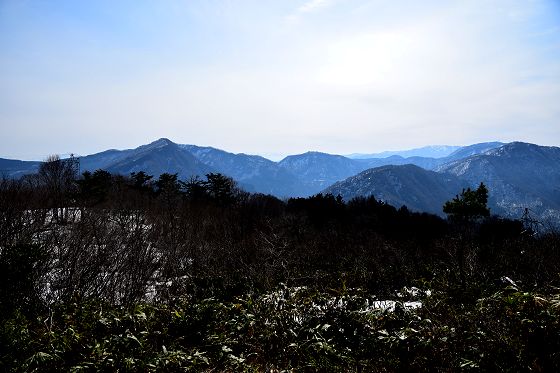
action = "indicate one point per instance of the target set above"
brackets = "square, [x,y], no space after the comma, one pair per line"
[276,77]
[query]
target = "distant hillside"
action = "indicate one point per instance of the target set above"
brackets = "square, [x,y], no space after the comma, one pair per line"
[397,160]
[467,151]
[104,159]
[428,163]
[318,170]
[15,169]
[255,173]
[409,185]
[155,158]
[518,175]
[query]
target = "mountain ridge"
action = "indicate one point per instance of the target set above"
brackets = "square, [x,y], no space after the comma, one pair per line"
[519,175]
[398,185]
[428,151]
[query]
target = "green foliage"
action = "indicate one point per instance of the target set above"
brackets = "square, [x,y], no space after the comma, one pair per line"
[141,180]
[94,187]
[296,328]
[20,272]
[221,189]
[469,206]
[167,184]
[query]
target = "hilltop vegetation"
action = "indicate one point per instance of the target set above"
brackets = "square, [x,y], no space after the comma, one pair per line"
[133,273]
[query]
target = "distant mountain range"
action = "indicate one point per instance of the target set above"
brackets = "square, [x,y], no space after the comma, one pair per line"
[430,151]
[14,168]
[518,175]
[410,185]
[316,171]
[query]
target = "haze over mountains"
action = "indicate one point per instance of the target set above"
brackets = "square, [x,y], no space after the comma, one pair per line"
[518,175]
[431,151]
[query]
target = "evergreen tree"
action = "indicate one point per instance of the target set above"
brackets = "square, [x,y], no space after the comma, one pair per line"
[469,206]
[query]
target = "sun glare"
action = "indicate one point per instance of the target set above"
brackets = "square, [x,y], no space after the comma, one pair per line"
[375,59]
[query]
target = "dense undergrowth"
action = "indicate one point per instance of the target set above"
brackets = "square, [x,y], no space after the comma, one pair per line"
[107,273]
[292,328]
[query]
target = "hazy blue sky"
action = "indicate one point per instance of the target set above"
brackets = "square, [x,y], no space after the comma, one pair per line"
[281,76]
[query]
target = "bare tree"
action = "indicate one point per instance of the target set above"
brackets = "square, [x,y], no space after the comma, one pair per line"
[58,177]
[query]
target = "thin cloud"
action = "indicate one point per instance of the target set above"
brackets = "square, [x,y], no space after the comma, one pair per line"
[312,5]
[308,7]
